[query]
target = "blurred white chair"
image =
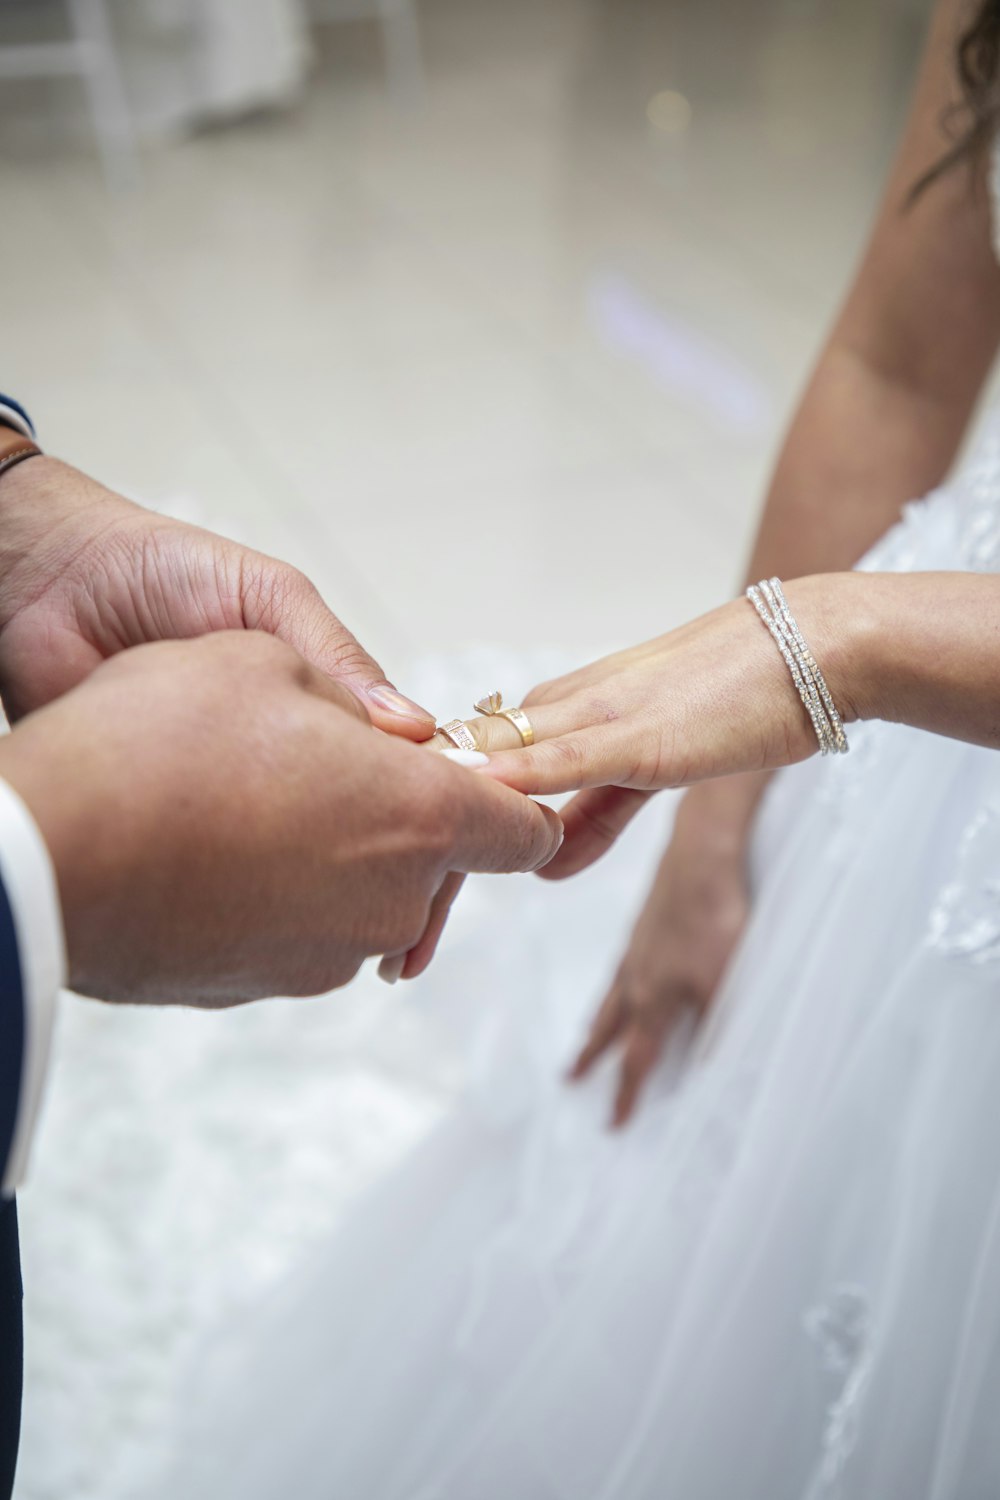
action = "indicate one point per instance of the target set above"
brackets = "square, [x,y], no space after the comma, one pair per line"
[89,53]
[400,34]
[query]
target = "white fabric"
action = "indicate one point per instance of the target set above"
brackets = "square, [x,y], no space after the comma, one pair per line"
[29,880]
[11,417]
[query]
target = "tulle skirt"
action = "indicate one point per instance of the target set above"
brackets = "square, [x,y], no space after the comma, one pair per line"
[783,1280]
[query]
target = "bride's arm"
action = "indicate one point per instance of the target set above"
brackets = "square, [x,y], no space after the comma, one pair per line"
[885,409]
[892,393]
[715,697]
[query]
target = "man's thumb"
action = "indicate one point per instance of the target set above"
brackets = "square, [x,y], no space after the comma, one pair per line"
[294,612]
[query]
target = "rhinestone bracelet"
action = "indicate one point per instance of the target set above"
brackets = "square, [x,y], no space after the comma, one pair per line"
[768,599]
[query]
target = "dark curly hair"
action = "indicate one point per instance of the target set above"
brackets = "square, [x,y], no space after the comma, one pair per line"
[972,121]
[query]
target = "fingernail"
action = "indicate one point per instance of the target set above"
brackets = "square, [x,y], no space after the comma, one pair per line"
[397,703]
[470,758]
[391,967]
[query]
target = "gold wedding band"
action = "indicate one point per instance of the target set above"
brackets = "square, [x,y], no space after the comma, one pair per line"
[460,734]
[491,707]
[521,723]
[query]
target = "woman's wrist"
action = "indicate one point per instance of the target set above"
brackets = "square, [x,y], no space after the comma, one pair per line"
[911,648]
[932,660]
[844,618]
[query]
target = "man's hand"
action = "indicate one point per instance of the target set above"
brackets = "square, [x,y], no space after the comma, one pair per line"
[225,825]
[85,574]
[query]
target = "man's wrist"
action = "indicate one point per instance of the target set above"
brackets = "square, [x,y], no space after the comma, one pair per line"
[43,506]
[26,519]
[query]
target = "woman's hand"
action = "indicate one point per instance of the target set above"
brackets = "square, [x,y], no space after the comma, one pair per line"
[711,699]
[694,916]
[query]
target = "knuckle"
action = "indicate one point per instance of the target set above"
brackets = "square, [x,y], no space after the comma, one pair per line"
[268,586]
[566,755]
[686,980]
[347,656]
[273,591]
[281,582]
[644,986]
[601,710]
[542,693]
[643,994]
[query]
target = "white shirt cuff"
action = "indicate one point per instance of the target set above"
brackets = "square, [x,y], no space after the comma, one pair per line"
[30,883]
[11,417]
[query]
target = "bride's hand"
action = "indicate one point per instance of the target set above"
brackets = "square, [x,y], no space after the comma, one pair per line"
[710,699]
[684,937]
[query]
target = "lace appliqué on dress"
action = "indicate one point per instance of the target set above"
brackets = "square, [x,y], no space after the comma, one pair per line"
[965,919]
[841,1328]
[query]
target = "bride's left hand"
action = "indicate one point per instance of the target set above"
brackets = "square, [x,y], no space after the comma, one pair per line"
[709,699]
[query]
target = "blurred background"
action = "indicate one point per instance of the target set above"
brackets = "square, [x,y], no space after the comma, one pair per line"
[487,313]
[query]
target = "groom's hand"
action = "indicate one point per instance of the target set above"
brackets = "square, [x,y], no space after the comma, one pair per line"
[85,573]
[225,824]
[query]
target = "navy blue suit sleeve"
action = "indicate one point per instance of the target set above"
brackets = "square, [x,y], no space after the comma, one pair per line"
[12,1045]
[12,1029]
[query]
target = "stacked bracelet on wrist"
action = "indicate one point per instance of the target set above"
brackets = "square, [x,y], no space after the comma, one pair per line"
[768,599]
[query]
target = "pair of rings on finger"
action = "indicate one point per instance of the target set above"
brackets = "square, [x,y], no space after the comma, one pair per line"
[491,707]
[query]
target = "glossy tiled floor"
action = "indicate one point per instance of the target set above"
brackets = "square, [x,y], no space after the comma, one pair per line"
[507,367]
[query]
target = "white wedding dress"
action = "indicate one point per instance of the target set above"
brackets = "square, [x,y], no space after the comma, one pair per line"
[782,1282]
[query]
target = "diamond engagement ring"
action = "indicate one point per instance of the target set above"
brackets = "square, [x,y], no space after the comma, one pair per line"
[491,707]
